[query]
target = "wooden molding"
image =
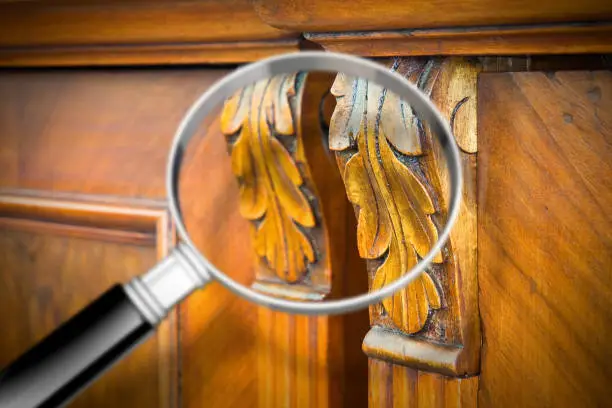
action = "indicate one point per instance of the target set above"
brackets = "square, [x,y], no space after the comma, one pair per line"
[592,62]
[39,33]
[142,222]
[100,33]
[395,176]
[362,15]
[384,344]
[145,54]
[100,22]
[137,222]
[486,40]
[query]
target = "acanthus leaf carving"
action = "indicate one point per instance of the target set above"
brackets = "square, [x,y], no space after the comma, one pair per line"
[394,206]
[257,117]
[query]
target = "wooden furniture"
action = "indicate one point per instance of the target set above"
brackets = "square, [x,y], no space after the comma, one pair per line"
[515,312]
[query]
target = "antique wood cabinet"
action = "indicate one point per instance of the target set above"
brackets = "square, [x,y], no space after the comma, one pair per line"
[515,312]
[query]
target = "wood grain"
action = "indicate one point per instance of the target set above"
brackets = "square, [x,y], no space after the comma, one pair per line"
[107,132]
[574,38]
[545,246]
[59,33]
[118,142]
[396,386]
[53,23]
[359,15]
[40,248]
[307,361]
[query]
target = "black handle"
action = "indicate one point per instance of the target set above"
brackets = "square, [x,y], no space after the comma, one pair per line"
[53,371]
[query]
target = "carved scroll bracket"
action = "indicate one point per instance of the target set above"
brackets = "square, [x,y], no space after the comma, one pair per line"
[264,127]
[395,176]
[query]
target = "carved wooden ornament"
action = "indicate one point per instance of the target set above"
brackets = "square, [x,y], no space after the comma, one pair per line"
[261,120]
[395,175]
[394,206]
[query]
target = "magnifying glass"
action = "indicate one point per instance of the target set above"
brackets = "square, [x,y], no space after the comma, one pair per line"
[71,357]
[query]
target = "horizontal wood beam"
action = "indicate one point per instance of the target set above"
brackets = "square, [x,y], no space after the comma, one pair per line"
[367,15]
[549,39]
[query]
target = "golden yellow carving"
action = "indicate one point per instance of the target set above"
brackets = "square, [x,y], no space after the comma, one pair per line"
[394,207]
[258,117]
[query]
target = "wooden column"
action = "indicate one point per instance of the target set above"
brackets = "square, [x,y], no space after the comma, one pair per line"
[289,187]
[424,343]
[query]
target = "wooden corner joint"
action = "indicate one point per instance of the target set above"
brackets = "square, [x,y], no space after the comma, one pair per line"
[395,176]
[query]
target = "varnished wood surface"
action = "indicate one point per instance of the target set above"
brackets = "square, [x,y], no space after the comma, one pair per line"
[572,38]
[66,23]
[94,131]
[545,243]
[218,329]
[145,54]
[108,132]
[45,241]
[396,386]
[162,32]
[63,33]
[359,15]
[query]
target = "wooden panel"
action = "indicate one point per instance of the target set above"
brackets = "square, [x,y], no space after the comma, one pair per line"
[545,241]
[144,32]
[340,15]
[118,142]
[578,38]
[53,264]
[117,145]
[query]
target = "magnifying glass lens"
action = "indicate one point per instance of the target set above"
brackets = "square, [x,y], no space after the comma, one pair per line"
[295,174]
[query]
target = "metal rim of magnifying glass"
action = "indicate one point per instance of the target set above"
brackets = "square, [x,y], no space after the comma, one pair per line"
[306,62]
